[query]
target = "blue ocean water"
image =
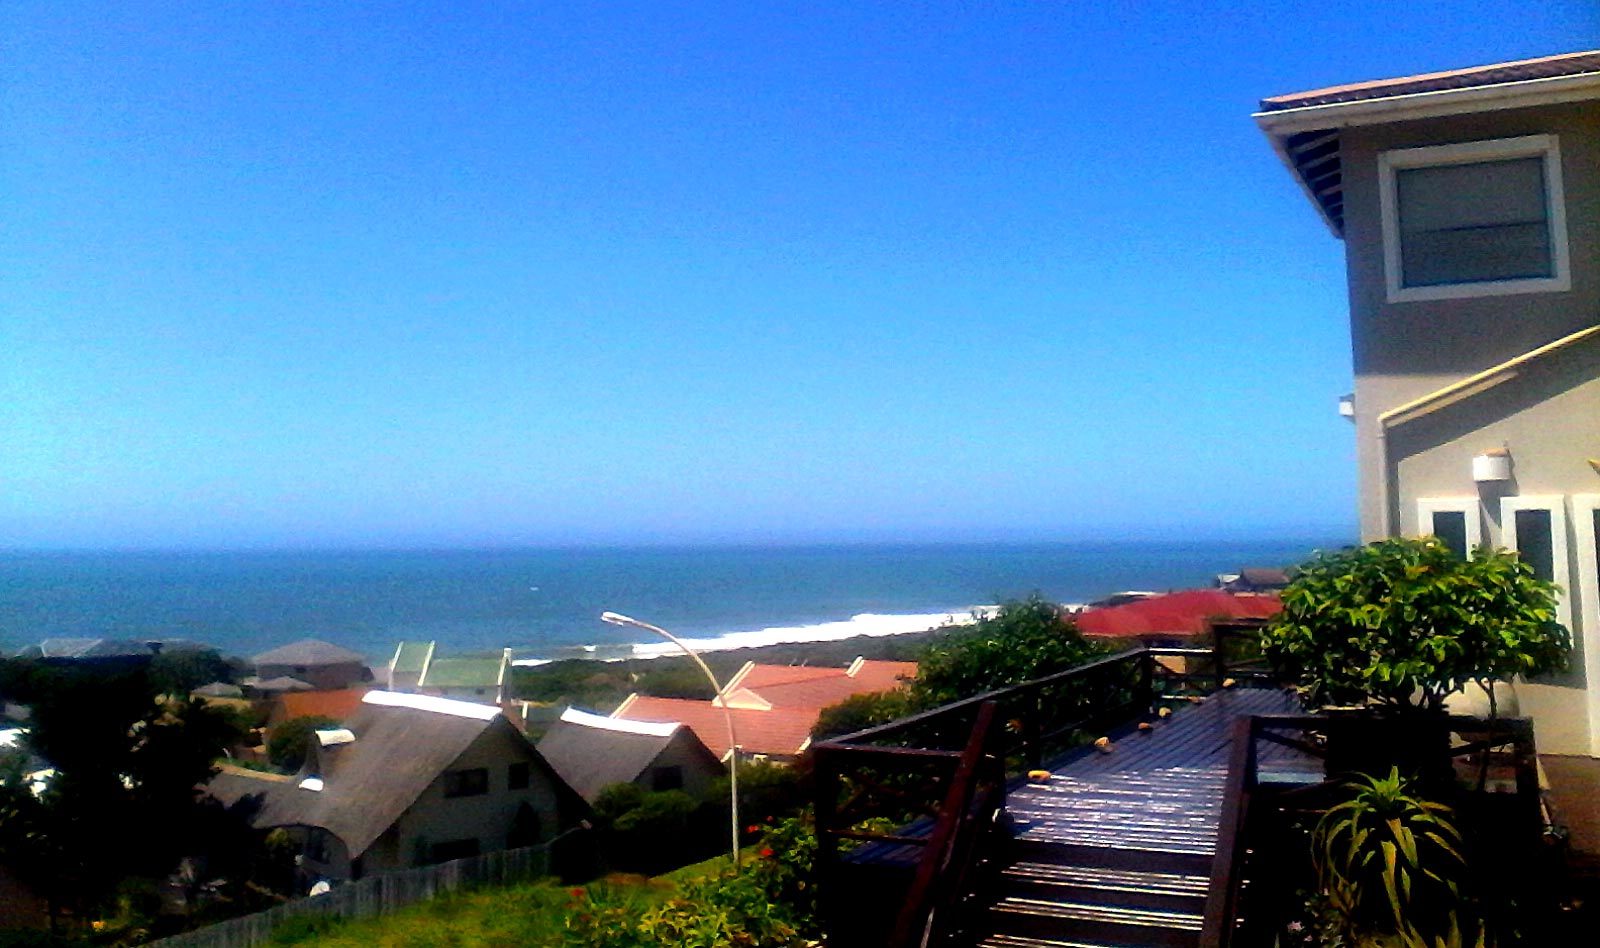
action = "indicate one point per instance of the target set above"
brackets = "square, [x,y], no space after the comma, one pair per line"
[547,603]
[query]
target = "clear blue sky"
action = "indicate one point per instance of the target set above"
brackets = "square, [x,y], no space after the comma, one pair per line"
[538,273]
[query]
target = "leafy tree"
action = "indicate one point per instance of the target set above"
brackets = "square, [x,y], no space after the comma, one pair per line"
[1022,640]
[291,740]
[127,764]
[858,712]
[180,671]
[1404,623]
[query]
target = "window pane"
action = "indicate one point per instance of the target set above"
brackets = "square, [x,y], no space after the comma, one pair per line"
[1451,527]
[1473,222]
[1535,544]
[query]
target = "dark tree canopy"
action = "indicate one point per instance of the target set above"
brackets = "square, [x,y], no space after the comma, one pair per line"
[1024,639]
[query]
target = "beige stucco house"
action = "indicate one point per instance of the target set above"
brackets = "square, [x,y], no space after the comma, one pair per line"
[1469,206]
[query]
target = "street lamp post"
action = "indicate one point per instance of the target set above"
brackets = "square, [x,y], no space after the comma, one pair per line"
[727,713]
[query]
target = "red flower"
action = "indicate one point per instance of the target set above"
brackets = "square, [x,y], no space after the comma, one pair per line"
[766,852]
[751,829]
[577,893]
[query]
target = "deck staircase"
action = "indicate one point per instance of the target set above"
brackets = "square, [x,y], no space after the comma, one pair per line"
[1120,860]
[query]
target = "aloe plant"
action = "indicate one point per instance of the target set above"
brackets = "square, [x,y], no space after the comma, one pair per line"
[1386,839]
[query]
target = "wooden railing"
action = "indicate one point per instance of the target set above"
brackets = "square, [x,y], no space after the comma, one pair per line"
[940,777]
[1248,805]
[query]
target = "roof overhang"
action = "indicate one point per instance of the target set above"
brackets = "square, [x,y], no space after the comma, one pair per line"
[1306,137]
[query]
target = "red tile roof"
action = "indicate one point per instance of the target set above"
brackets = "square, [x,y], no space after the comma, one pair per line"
[780,732]
[1179,613]
[797,695]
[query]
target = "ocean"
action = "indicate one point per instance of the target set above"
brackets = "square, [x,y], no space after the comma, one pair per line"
[546,603]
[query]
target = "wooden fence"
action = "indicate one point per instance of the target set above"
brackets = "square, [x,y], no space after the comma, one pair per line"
[383,894]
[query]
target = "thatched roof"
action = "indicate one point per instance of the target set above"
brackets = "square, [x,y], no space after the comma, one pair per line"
[592,752]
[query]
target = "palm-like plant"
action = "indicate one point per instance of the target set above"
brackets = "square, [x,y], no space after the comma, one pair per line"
[1385,838]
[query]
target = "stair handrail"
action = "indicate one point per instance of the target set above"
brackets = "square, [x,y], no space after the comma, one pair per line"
[918,919]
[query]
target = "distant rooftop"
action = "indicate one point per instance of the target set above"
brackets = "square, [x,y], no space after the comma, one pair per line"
[308,652]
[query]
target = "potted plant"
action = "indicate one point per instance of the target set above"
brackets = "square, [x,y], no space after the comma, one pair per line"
[1397,626]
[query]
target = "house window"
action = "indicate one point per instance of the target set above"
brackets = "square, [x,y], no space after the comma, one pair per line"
[1586,521]
[666,778]
[1474,219]
[517,776]
[1453,520]
[1536,527]
[454,849]
[466,783]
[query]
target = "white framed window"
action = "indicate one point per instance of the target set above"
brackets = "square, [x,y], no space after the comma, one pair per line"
[1536,527]
[1452,519]
[1483,218]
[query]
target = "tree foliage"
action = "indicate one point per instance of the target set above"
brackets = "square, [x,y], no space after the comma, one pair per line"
[291,740]
[122,801]
[1022,640]
[1404,623]
[859,712]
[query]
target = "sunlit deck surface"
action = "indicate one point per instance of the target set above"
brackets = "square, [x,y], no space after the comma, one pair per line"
[1158,790]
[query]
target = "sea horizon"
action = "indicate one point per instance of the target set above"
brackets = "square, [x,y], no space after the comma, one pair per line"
[544,602]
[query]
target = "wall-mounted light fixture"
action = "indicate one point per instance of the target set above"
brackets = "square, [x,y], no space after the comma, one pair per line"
[1492,466]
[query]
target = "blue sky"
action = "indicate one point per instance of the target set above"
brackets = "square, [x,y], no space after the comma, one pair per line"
[531,273]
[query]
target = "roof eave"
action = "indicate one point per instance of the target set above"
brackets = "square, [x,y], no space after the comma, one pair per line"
[1522,93]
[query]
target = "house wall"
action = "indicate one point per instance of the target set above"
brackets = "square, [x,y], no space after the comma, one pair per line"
[698,767]
[1548,419]
[1402,351]
[488,818]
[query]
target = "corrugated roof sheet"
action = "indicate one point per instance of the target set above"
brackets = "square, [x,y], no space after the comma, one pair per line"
[308,652]
[1180,613]
[1522,70]
[463,673]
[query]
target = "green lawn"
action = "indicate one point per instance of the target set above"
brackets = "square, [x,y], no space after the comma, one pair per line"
[529,915]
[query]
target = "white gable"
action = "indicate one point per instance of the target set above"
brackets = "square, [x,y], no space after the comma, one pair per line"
[461,709]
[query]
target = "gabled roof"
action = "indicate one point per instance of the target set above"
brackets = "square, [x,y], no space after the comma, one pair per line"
[780,732]
[86,648]
[308,652]
[592,752]
[410,657]
[1304,126]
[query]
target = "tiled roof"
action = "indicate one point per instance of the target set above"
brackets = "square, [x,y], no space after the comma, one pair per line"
[1180,613]
[308,652]
[781,732]
[1522,70]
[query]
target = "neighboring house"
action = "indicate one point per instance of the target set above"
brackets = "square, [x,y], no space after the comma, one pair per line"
[416,667]
[773,707]
[410,780]
[322,666]
[106,654]
[1469,205]
[592,752]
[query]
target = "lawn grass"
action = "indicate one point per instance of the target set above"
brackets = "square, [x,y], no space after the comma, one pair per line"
[526,915]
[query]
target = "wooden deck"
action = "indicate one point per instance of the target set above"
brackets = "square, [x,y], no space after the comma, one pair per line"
[1115,847]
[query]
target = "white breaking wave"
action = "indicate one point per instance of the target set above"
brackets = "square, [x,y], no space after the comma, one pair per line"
[865,624]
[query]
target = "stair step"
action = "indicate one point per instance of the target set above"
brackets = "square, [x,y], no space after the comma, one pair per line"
[1164,891]
[1023,941]
[1095,924]
[1151,859]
